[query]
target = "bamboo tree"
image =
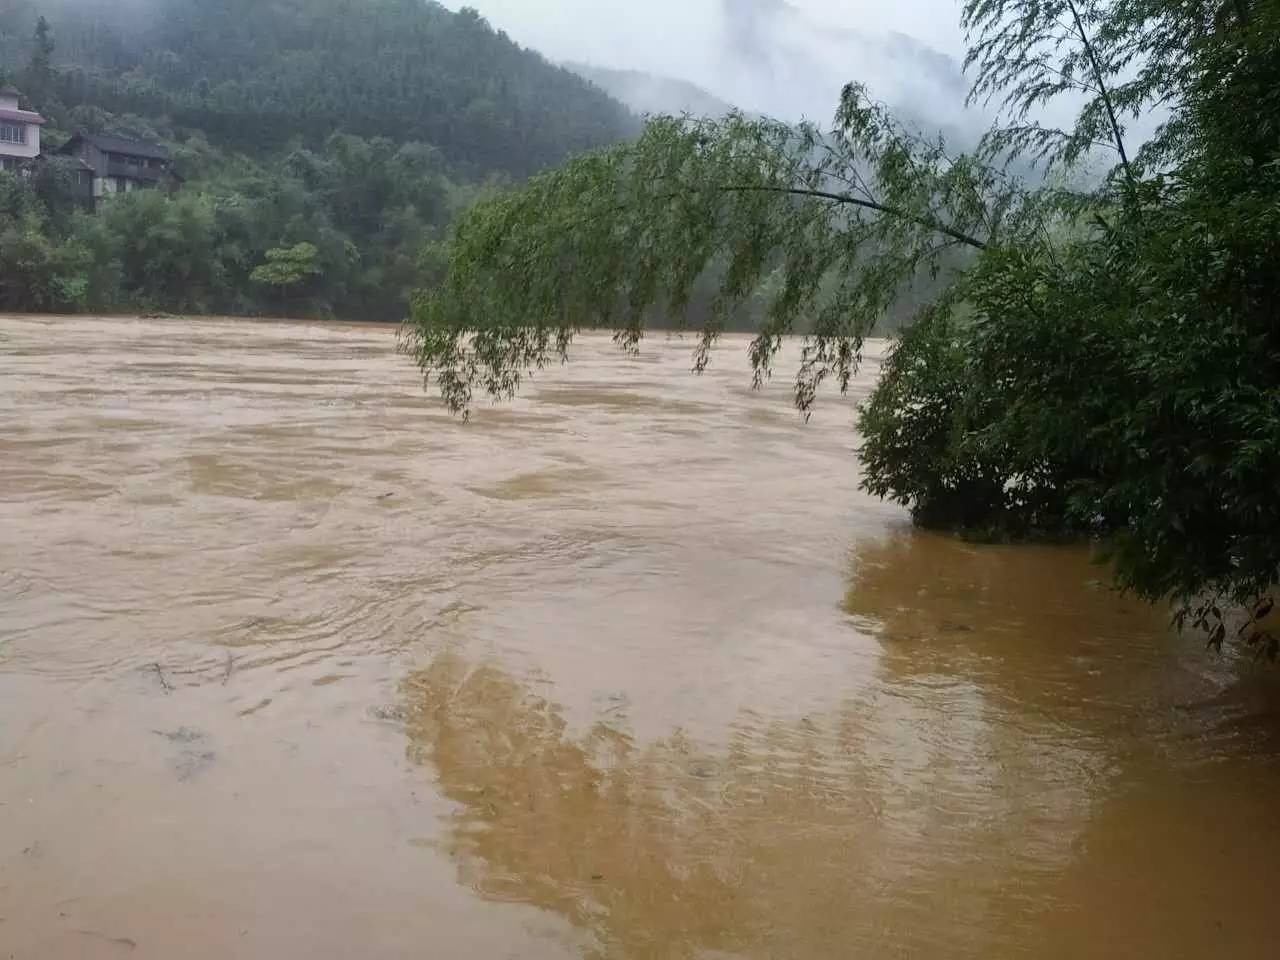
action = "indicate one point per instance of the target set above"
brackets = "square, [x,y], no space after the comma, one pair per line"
[1113,371]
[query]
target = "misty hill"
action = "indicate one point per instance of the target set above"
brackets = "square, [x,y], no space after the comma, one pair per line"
[648,93]
[253,75]
[771,57]
[787,62]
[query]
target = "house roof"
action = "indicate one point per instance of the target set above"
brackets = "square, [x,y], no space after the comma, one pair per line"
[74,161]
[133,148]
[22,116]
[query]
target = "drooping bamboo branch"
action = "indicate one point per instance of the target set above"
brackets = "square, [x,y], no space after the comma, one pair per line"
[1103,92]
[844,198]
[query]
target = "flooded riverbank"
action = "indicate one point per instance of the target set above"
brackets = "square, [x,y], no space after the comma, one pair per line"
[293,664]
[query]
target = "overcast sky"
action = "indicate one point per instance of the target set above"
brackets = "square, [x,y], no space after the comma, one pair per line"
[779,56]
[572,29]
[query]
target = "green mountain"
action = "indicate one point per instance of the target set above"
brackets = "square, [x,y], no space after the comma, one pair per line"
[253,75]
[325,145]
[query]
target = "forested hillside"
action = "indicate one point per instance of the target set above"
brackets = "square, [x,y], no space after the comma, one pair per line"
[324,143]
[255,74]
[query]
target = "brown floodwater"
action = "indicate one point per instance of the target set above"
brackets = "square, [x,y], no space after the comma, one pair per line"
[294,665]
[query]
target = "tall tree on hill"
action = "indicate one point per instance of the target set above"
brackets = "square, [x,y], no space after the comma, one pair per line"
[40,69]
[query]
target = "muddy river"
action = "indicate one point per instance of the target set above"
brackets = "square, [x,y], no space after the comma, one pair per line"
[294,665]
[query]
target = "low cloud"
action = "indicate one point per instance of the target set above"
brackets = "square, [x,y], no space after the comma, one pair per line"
[787,58]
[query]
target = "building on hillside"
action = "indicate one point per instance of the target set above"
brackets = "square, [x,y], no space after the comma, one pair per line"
[115,165]
[19,132]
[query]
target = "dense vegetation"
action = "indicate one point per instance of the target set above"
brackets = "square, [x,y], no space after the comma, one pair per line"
[324,143]
[1099,360]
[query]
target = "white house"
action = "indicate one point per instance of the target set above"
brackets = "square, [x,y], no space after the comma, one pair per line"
[19,131]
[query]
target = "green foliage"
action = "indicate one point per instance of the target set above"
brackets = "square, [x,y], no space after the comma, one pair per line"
[829,228]
[1136,366]
[254,76]
[287,267]
[431,109]
[1098,359]
[365,206]
[917,452]
[166,249]
[35,270]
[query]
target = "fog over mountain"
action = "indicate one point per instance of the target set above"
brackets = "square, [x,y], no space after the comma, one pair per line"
[785,58]
[648,93]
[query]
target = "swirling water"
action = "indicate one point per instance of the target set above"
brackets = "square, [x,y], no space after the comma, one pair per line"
[293,664]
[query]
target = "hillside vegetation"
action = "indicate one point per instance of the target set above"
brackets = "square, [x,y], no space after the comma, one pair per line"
[325,143]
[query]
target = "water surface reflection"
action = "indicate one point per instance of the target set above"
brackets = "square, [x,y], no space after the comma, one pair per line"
[948,807]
